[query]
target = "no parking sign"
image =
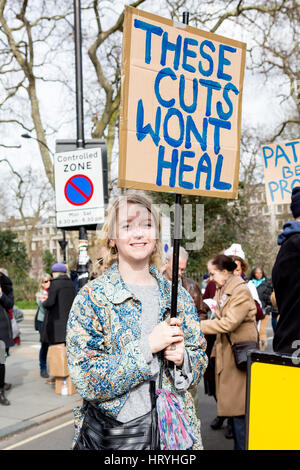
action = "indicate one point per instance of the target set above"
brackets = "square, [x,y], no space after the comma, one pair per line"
[79,188]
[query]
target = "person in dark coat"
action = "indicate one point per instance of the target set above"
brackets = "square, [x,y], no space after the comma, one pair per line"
[6,337]
[264,289]
[209,375]
[286,282]
[60,299]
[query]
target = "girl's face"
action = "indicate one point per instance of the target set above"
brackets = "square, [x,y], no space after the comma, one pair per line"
[136,233]
[46,283]
[238,271]
[220,277]
[258,274]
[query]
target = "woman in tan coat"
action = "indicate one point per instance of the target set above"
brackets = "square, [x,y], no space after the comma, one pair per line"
[235,315]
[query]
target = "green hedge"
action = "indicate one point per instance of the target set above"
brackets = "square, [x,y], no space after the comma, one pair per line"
[25,289]
[26,304]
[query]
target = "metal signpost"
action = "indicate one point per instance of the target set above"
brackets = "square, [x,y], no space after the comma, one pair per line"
[80,168]
[63,245]
[83,239]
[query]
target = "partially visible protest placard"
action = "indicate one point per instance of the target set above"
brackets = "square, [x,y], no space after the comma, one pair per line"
[282,170]
[181,105]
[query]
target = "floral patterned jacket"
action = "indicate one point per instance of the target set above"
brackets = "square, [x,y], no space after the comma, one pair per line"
[103,345]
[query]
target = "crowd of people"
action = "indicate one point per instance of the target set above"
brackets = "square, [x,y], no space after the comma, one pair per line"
[123,343]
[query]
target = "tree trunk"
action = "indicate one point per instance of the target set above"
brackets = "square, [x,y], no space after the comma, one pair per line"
[36,117]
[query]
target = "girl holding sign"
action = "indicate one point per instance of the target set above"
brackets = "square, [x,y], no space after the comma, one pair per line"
[120,338]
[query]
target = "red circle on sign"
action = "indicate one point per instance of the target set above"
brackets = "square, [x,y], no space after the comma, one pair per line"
[81,193]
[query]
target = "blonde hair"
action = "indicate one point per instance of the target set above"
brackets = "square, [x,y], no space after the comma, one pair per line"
[108,228]
[44,276]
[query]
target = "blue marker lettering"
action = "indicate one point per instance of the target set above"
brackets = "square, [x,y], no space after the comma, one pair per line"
[273,187]
[220,111]
[192,107]
[286,172]
[170,140]
[283,188]
[169,46]
[224,61]
[172,165]
[292,144]
[150,29]
[184,168]
[211,85]
[191,127]
[205,55]
[204,166]
[280,153]
[188,53]
[266,157]
[141,130]
[296,181]
[219,124]
[166,72]
[218,184]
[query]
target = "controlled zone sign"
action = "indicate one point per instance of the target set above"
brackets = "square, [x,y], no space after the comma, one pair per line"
[181,104]
[272,401]
[79,188]
[282,170]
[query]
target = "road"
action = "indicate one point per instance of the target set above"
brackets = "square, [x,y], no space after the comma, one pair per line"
[58,433]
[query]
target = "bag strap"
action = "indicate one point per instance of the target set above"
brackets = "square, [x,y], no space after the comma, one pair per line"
[152,393]
[161,361]
[161,358]
[229,340]
[153,382]
[228,337]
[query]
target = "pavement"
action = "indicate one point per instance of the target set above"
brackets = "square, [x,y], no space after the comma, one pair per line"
[33,401]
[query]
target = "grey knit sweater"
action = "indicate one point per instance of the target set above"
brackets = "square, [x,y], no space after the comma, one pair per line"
[139,402]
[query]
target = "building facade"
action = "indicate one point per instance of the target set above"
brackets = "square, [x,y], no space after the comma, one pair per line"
[275,215]
[43,235]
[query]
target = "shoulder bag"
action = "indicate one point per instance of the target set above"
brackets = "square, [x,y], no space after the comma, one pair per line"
[36,320]
[259,311]
[240,351]
[15,328]
[102,432]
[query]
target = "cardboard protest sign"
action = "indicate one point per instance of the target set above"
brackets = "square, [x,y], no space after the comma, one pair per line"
[180,121]
[282,170]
